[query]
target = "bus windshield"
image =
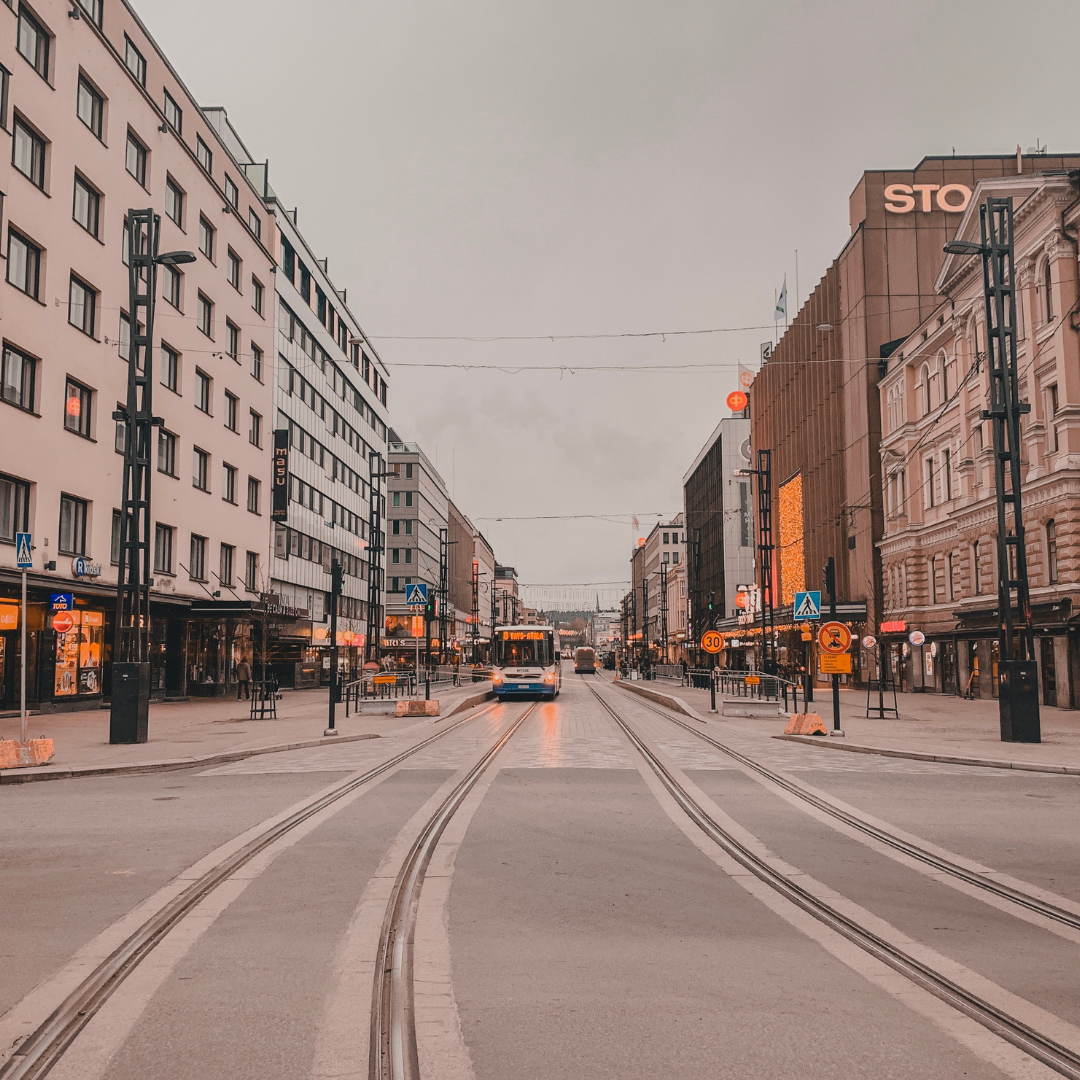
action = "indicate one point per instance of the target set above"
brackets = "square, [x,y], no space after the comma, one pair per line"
[523,648]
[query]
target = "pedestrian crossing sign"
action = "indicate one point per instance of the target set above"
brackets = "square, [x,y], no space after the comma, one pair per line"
[416,594]
[24,560]
[807,606]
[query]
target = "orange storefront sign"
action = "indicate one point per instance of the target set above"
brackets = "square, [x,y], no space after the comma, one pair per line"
[9,617]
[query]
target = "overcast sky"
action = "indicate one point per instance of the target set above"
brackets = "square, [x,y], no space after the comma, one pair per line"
[597,167]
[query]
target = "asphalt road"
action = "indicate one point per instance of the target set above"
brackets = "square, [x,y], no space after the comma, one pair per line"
[573,921]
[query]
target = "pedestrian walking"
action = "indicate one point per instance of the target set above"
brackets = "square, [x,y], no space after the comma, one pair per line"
[243,679]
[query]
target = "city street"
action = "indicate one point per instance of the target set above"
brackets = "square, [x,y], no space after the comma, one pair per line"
[822,915]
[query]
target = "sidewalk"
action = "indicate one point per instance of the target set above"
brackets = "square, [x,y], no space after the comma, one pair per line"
[931,726]
[204,730]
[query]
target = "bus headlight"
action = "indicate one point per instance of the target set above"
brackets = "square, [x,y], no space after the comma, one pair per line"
[496,677]
[549,677]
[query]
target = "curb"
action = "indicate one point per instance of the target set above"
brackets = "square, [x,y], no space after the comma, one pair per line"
[670,700]
[468,703]
[945,759]
[49,772]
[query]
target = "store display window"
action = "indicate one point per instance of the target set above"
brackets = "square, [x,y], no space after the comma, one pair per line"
[78,655]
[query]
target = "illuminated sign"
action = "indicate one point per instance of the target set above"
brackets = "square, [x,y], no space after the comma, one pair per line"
[792,566]
[9,617]
[952,198]
[523,635]
[280,476]
[737,401]
[897,626]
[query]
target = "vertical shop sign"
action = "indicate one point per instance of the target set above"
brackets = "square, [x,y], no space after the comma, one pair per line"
[280,511]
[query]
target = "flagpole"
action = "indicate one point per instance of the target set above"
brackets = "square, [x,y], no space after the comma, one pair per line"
[775,304]
[796,281]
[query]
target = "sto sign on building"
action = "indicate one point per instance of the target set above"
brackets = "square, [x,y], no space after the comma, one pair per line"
[903,198]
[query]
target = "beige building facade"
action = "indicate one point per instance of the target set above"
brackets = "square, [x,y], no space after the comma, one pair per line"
[938,549]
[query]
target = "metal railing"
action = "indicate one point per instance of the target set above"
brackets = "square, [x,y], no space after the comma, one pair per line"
[383,685]
[669,671]
[759,684]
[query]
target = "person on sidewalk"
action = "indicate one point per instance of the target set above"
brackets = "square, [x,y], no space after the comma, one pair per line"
[243,679]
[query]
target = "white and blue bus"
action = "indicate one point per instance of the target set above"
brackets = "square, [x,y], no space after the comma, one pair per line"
[525,662]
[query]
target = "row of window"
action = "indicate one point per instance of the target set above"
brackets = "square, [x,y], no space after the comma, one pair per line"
[311,448]
[294,330]
[297,385]
[289,543]
[72,536]
[311,497]
[298,275]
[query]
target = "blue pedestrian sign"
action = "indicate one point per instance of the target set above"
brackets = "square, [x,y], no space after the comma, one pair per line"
[24,560]
[807,606]
[416,594]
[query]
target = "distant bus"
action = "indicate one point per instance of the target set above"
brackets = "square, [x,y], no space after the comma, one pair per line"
[526,662]
[584,661]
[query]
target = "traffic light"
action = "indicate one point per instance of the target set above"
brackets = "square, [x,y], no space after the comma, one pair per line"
[430,608]
[712,596]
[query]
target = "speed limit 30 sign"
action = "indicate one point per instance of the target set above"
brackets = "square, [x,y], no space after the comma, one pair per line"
[712,641]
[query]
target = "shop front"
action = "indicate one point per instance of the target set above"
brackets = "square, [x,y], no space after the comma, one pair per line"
[219,635]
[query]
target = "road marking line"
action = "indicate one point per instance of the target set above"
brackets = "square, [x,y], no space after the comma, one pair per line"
[972,1035]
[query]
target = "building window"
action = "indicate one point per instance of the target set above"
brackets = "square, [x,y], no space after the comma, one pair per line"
[166,452]
[72,525]
[950,580]
[206,238]
[206,316]
[251,571]
[253,495]
[174,202]
[408,555]
[228,483]
[255,429]
[163,549]
[1051,553]
[204,154]
[397,498]
[93,9]
[135,159]
[946,474]
[232,192]
[257,293]
[305,283]
[397,527]
[202,391]
[1048,286]
[225,573]
[17,371]
[32,41]
[82,306]
[90,106]
[77,403]
[114,541]
[197,562]
[932,574]
[408,526]
[134,61]
[1052,408]
[170,368]
[232,263]
[231,403]
[14,507]
[929,495]
[87,206]
[173,114]
[255,223]
[256,362]
[675,557]
[232,340]
[28,153]
[200,469]
[408,471]
[170,285]
[975,576]
[408,498]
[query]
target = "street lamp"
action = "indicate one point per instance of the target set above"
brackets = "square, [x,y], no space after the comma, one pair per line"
[130,698]
[964,247]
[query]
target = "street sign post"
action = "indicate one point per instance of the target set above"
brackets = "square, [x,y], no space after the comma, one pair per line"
[416,594]
[835,663]
[834,637]
[712,641]
[24,560]
[807,606]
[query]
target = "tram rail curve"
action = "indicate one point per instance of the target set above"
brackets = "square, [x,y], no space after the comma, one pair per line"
[393,1030]
[42,1048]
[1051,1053]
[898,843]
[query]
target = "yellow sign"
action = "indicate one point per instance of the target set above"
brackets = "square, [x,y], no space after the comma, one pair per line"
[712,641]
[752,680]
[835,664]
[9,617]
[834,637]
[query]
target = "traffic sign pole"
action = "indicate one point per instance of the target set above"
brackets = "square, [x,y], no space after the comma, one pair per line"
[830,585]
[22,663]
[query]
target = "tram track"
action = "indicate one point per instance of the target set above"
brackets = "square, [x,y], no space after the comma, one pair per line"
[393,1053]
[39,1051]
[938,862]
[1062,1059]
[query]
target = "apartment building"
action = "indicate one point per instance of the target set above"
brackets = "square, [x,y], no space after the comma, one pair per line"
[664,550]
[101,122]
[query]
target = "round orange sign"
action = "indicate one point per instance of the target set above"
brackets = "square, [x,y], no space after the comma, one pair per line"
[712,641]
[742,599]
[737,401]
[62,622]
[834,637]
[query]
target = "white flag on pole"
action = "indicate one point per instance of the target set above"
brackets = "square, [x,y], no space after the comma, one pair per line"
[781,303]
